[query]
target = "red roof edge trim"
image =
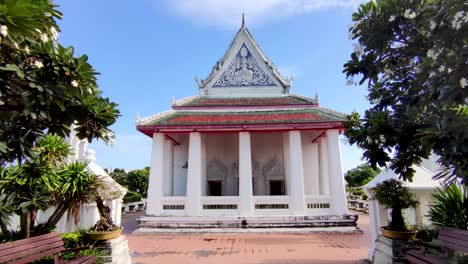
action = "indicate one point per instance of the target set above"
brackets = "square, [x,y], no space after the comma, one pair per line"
[149,130]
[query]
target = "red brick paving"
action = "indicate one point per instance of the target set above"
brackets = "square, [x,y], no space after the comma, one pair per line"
[252,248]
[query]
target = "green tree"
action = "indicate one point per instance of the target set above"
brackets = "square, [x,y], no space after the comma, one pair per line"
[361,175]
[45,87]
[120,176]
[412,55]
[137,181]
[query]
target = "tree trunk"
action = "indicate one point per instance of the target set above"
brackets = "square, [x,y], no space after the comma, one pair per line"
[25,222]
[397,223]
[57,215]
[5,230]
[33,215]
[104,210]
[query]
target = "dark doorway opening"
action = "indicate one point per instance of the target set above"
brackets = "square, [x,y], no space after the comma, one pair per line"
[277,187]
[214,188]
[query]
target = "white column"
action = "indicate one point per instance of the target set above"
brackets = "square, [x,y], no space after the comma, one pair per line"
[287,166]
[155,186]
[297,198]
[323,167]
[307,164]
[335,170]
[193,203]
[245,175]
[204,183]
[168,167]
[315,170]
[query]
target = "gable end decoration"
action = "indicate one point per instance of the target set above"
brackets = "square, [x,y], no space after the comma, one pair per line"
[243,71]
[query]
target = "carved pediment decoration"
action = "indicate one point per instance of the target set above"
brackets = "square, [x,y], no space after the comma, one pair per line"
[243,71]
[273,168]
[216,170]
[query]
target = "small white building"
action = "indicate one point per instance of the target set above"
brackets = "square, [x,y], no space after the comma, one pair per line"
[245,151]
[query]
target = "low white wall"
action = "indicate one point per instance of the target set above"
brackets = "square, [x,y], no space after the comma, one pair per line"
[88,216]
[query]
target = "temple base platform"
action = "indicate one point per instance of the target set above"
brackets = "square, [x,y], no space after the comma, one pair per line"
[253,224]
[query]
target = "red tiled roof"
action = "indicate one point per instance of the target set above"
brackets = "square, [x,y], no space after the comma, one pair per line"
[245,117]
[249,101]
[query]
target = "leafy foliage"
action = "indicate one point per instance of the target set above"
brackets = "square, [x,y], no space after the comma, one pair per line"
[45,87]
[361,175]
[43,182]
[450,206]
[138,181]
[392,194]
[134,180]
[120,176]
[413,57]
[131,197]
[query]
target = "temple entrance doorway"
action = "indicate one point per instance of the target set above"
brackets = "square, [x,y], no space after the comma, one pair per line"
[214,188]
[277,187]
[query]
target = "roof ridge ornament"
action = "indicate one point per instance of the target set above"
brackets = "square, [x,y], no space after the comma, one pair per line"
[243,20]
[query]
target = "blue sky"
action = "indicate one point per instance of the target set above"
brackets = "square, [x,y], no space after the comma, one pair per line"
[149,51]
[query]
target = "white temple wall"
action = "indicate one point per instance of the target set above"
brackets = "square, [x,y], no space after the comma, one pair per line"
[310,163]
[222,162]
[267,160]
[180,165]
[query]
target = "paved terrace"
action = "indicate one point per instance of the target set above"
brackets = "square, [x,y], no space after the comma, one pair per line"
[249,248]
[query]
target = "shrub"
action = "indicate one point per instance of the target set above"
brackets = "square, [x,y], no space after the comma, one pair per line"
[74,239]
[450,206]
[132,197]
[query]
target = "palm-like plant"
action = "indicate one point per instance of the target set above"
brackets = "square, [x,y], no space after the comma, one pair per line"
[77,186]
[450,206]
[46,181]
[7,206]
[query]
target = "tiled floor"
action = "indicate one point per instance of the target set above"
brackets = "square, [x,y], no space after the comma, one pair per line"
[252,248]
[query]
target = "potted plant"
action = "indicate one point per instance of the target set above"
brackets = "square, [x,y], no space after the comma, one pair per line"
[393,195]
[104,229]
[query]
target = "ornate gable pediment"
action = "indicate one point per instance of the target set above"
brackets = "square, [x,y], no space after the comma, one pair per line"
[244,67]
[243,71]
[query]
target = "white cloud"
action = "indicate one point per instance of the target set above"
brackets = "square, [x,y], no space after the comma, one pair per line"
[227,13]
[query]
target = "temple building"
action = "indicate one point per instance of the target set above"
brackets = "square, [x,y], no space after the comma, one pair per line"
[245,152]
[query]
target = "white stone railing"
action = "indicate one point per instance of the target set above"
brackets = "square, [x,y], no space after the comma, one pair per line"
[173,202]
[221,201]
[318,202]
[133,206]
[271,202]
[219,205]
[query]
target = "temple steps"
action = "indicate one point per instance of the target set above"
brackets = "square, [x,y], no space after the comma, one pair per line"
[232,224]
